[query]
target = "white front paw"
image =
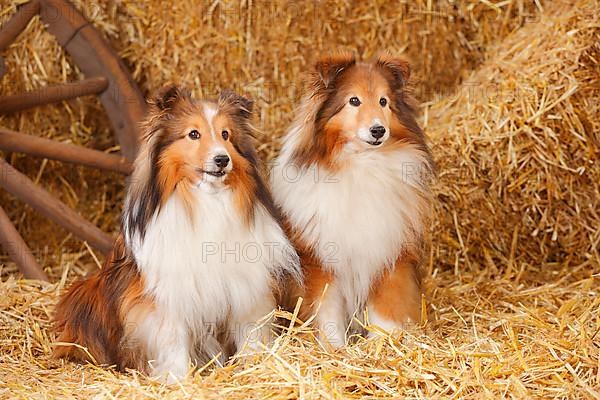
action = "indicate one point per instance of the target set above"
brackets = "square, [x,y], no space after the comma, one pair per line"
[170,373]
[333,335]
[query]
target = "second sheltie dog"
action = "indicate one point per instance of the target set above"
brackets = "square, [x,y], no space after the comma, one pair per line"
[352,182]
[201,252]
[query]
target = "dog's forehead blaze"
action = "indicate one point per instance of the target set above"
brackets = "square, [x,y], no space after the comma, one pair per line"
[216,121]
[369,86]
[196,120]
[207,125]
[367,83]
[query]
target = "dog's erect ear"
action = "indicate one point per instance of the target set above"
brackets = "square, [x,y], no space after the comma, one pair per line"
[398,67]
[168,96]
[242,105]
[329,67]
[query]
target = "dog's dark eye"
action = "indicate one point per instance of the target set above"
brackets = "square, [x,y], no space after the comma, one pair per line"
[383,102]
[194,134]
[225,134]
[354,101]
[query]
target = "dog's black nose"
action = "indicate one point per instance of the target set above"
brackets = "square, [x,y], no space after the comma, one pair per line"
[377,131]
[221,160]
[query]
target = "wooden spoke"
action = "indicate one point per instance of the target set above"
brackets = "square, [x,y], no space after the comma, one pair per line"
[11,29]
[2,67]
[22,187]
[40,147]
[106,76]
[17,249]
[123,101]
[52,94]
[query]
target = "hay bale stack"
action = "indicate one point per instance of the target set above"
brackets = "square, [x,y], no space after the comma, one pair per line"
[518,148]
[259,48]
[263,48]
[507,166]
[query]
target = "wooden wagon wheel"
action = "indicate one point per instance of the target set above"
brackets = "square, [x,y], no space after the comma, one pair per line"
[107,77]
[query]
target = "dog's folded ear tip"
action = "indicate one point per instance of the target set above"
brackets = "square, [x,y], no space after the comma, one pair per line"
[398,65]
[169,94]
[231,97]
[328,67]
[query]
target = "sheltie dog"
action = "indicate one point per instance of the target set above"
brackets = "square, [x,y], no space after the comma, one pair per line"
[201,252]
[352,183]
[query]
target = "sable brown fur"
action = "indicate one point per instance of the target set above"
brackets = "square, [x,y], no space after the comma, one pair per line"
[324,88]
[324,135]
[96,315]
[499,325]
[89,314]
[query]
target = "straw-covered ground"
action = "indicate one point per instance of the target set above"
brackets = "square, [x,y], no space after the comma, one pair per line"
[511,100]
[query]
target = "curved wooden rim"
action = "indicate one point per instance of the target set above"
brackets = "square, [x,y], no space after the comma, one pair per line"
[122,100]
[107,76]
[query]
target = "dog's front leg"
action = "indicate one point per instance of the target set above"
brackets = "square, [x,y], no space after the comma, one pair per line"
[331,317]
[168,344]
[395,299]
[252,327]
[324,301]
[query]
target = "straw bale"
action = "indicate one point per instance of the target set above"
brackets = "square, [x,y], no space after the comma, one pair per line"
[513,277]
[260,48]
[486,338]
[518,148]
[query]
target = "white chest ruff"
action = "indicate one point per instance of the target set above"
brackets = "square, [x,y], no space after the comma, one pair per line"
[206,269]
[358,220]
